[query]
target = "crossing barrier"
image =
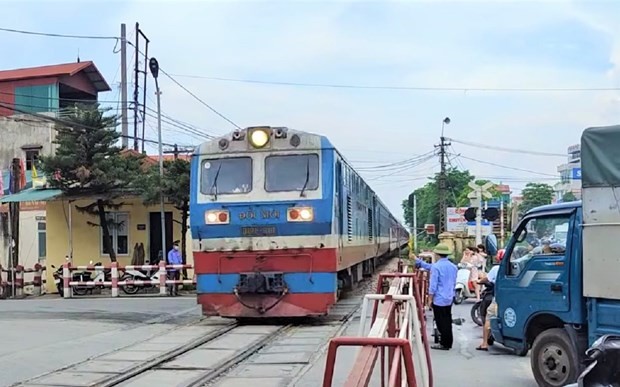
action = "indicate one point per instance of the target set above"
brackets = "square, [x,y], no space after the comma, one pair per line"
[398,327]
[114,281]
[15,280]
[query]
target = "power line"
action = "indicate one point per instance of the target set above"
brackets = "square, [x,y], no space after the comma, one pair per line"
[512,150]
[502,166]
[60,35]
[402,88]
[396,165]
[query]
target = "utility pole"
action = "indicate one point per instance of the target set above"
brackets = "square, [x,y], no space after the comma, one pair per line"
[154,66]
[443,189]
[124,124]
[136,103]
[16,172]
[415,222]
[146,58]
[479,191]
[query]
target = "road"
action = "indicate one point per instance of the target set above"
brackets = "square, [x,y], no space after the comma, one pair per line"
[43,334]
[463,366]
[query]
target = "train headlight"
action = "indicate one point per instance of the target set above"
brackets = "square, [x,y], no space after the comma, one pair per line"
[259,138]
[217,217]
[300,214]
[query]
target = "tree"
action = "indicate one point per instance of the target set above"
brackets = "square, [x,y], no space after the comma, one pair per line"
[534,195]
[175,185]
[88,163]
[428,197]
[569,197]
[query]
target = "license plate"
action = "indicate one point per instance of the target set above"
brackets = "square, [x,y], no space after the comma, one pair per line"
[57,281]
[258,231]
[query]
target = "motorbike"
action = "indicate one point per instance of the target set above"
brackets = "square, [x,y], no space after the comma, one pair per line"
[137,275]
[464,287]
[603,364]
[476,309]
[80,276]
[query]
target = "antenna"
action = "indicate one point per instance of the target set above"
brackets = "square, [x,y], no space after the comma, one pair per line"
[78,56]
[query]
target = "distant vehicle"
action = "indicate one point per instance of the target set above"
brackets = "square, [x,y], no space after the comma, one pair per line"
[560,300]
[281,224]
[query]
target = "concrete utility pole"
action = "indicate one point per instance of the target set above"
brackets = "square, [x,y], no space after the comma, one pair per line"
[124,123]
[415,222]
[16,171]
[443,189]
[154,66]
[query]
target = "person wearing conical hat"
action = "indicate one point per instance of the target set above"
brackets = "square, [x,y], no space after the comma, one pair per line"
[441,293]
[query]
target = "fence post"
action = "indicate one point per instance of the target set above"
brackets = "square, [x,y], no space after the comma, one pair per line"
[66,277]
[114,279]
[162,278]
[37,279]
[19,281]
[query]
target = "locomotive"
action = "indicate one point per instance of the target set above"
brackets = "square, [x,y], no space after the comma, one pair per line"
[281,224]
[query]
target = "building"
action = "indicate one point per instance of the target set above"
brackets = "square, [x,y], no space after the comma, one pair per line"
[44,91]
[570,174]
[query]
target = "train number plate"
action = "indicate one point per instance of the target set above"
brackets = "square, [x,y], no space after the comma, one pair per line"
[258,231]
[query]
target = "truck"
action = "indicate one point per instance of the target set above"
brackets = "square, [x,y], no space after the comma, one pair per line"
[555,302]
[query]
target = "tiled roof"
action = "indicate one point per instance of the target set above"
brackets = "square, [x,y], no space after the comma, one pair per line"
[69,69]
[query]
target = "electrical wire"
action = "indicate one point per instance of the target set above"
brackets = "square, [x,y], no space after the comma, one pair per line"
[512,150]
[502,166]
[397,164]
[60,35]
[409,88]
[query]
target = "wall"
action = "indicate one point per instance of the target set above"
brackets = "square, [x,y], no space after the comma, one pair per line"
[28,239]
[87,239]
[7,91]
[18,131]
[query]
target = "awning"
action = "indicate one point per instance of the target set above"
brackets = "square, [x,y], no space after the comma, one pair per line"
[31,195]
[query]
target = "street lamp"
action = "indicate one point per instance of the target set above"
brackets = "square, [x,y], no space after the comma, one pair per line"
[446,121]
[154,67]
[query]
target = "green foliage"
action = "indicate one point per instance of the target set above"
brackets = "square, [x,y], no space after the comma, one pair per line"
[569,197]
[534,195]
[175,187]
[428,198]
[88,163]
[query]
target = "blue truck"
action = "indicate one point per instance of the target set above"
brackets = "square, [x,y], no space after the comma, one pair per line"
[558,287]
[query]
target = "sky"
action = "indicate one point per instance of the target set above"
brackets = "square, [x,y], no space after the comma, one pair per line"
[459,59]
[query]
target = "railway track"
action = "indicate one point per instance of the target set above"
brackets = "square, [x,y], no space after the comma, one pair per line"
[214,352]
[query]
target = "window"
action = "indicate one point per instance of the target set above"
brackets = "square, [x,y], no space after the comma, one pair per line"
[226,176]
[118,225]
[32,157]
[540,236]
[292,173]
[41,227]
[37,99]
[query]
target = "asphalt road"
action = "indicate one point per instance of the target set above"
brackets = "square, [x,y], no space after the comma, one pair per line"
[44,334]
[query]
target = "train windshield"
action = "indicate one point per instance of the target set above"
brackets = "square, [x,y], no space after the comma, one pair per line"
[292,173]
[226,176]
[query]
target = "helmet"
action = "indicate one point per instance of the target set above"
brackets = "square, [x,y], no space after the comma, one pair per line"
[442,249]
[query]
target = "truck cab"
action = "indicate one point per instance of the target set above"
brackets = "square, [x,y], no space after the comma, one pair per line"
[558,286]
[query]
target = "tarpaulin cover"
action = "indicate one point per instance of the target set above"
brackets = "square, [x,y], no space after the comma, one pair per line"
[600,157]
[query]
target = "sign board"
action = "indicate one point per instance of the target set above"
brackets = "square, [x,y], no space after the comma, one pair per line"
[486,228]
[455,219]
[576,173]
[429,228]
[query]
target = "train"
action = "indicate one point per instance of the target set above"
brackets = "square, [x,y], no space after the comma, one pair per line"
[281,224]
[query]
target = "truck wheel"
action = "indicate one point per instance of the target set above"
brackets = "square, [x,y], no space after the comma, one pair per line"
[554,360]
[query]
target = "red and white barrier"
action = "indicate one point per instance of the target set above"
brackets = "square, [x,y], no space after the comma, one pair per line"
[398,326]
[115,283]
[15,279]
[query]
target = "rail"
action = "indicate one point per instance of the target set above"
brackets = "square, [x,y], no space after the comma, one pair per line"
[398,327]
[114,281]
[15,280]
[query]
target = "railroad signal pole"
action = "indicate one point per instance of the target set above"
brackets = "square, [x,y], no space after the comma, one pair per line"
[443,189]
[479,191]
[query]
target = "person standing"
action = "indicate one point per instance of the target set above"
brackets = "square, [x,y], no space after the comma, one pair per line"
[174,258]
[441,293]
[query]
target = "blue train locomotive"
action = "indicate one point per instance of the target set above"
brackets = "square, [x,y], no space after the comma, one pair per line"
[281,223]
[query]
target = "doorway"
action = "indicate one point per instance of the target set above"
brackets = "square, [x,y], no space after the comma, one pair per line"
[155,235]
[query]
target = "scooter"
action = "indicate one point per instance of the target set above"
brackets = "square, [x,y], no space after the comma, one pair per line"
[476,310]
[464,287]
[102,275]
[136,275]
[603,359]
